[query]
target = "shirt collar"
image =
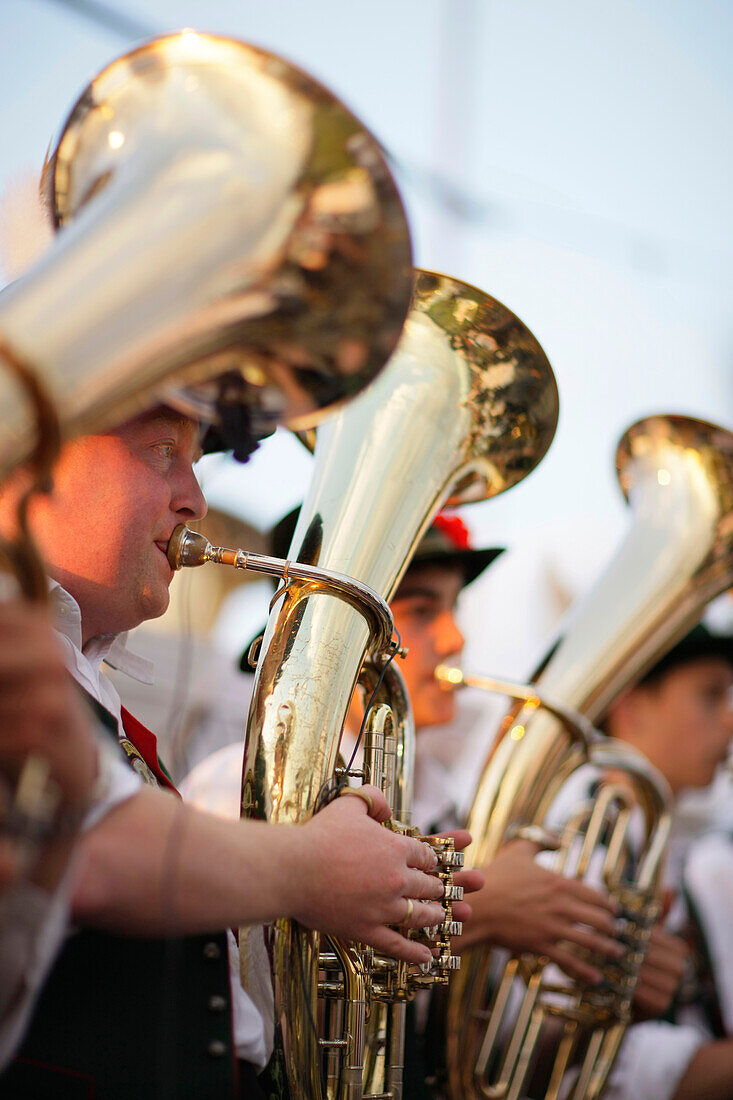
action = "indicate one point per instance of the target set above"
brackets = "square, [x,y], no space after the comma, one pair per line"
[110,648]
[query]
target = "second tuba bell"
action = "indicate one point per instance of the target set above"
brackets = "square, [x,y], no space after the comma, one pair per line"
[465,409]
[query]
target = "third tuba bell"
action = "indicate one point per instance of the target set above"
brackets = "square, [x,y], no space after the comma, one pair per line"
[677,474]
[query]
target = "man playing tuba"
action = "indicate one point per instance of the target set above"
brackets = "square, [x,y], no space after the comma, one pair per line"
[139,1001]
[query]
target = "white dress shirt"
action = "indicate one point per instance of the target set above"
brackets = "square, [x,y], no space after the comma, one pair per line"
[86,667]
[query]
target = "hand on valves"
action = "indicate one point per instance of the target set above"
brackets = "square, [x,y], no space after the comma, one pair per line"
[526,907]
[365,887]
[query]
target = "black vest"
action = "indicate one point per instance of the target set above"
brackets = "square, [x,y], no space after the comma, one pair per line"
[127,1018]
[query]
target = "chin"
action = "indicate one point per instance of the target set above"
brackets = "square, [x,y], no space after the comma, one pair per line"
[439,715]
[153,604]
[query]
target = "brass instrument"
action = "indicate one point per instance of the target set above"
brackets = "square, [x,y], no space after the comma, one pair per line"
[466,408]
[229,233]
[677,474]
[388,761]
[229,236]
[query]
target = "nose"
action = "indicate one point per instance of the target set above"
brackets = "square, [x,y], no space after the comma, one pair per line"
[450,638]
[187,499]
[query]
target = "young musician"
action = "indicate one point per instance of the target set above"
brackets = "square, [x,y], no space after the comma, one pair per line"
[681,717]
[522,904]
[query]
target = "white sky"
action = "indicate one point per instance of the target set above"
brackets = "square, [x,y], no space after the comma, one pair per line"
[590,146]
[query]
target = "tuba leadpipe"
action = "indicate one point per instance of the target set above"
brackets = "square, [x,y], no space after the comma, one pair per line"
[677,473]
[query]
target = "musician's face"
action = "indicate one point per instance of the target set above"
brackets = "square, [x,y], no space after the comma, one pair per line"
[116,499]
[685,721]
[424,613]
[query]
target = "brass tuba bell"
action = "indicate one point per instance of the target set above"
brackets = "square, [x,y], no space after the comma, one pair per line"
[465,409]
[228,231]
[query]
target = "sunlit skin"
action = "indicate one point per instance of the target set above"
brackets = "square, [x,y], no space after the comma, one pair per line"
[683,722]
[424,609]
[117,497]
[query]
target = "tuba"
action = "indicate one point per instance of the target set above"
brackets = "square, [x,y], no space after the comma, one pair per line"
[230,242]
[503,1017]
[229,235]
[465,409]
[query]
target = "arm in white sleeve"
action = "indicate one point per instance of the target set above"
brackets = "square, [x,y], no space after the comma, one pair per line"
[652,1061]
[708,878]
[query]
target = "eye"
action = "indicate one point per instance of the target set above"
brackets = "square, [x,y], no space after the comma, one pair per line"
[712,695]
[422,611]
[164,449]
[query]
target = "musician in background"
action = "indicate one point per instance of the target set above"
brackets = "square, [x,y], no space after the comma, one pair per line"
[522,905]
[681,717]
[139,1002]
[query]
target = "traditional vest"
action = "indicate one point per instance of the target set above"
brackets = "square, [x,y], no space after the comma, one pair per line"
[127,1018]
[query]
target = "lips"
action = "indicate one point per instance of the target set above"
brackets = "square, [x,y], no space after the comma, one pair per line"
[162,545]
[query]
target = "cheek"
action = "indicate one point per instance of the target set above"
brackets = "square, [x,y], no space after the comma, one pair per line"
[421,660]
[435,707]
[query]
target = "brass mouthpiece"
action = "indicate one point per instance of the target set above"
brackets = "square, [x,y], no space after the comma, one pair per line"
[448,677]
[187,548]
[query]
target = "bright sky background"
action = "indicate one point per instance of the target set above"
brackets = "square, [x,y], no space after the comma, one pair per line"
[573,159]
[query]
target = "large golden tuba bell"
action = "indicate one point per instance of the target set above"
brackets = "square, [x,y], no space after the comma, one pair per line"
[677,474]
[228,232]
[465,409]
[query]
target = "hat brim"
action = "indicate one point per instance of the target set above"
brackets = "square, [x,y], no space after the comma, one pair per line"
[699,645]
[471,562]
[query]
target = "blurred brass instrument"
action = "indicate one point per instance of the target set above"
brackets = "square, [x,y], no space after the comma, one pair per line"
[228,231]
[230,241]
[465,409]
[514,1030]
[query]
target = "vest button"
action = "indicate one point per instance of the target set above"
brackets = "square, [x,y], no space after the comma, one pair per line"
[216,1049]
[217,1003]
[212,951]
